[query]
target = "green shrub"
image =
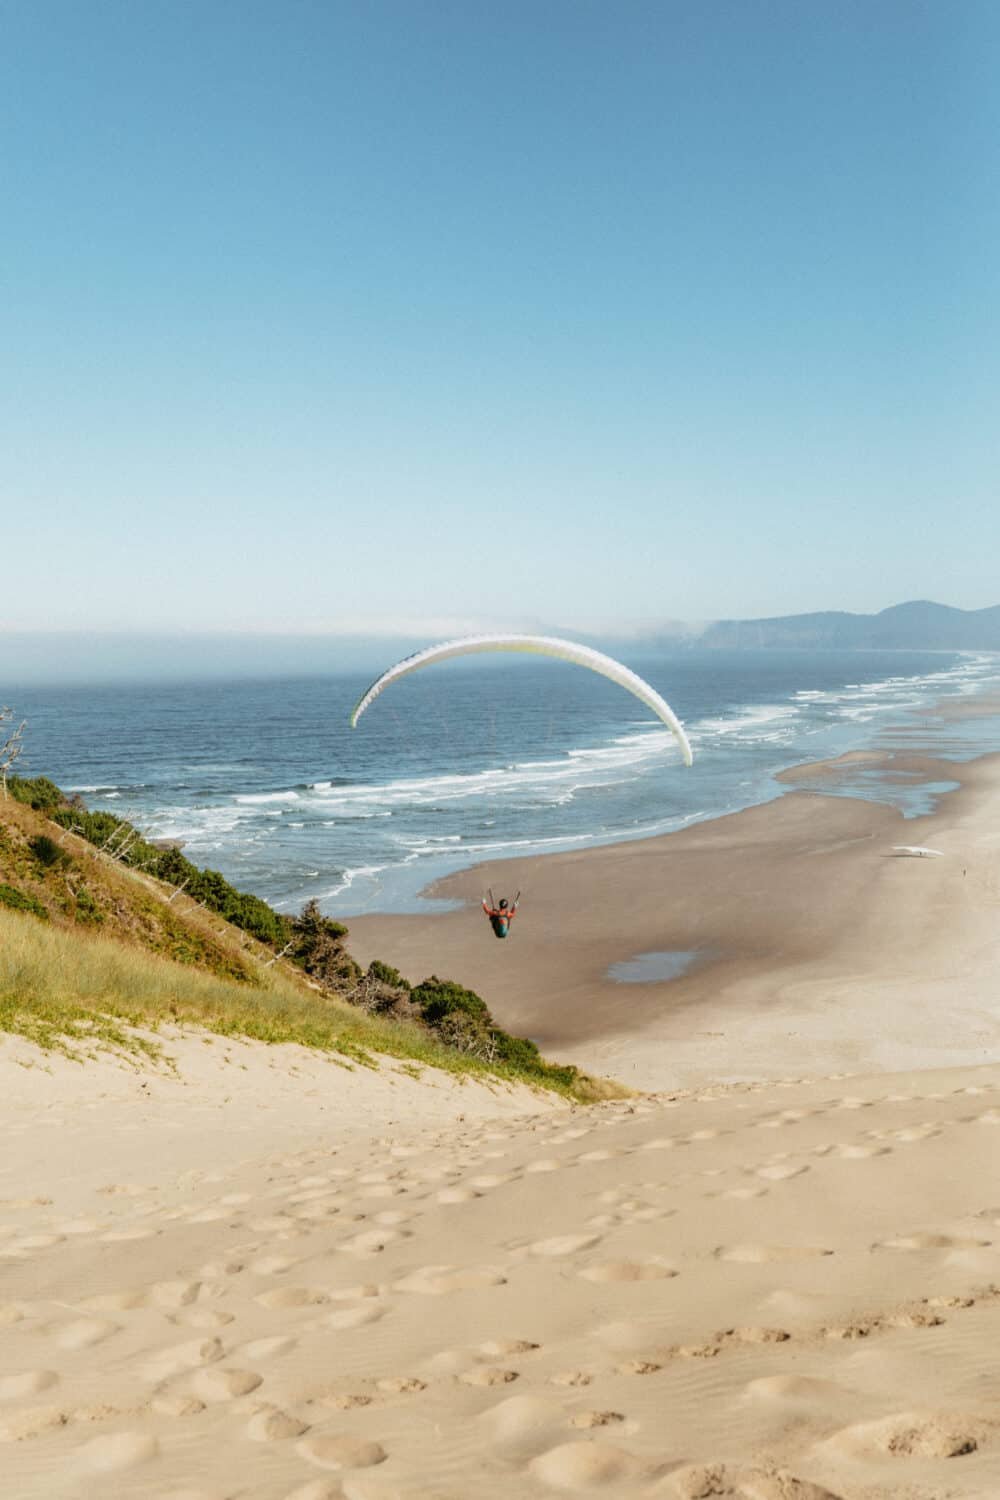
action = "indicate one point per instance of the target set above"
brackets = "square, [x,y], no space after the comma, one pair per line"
[451,1013]
[87,909]
[437,998]
[317,946]
[38,792]
[207,887]
[19,901]
[48,853]
[386,974]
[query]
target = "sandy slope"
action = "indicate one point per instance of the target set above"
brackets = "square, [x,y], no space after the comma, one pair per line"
[698,1296]
[272,1278]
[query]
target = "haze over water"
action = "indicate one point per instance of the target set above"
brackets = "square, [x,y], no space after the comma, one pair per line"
[266,782]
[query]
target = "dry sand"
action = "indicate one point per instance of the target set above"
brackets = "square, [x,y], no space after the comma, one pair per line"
[271,1278]
[774,1292]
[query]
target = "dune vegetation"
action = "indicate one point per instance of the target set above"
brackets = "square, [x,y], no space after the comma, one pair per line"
[106,939]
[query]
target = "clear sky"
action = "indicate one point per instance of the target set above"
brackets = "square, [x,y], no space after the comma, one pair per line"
[406,313]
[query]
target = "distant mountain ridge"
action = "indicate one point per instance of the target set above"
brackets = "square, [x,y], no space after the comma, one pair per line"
[917,625]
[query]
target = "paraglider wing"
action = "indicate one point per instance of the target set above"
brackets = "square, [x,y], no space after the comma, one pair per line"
[538,645]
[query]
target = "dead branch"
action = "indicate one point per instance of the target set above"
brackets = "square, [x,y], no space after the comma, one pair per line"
[11,747]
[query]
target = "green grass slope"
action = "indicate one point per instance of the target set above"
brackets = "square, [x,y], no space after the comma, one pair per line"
[97,951]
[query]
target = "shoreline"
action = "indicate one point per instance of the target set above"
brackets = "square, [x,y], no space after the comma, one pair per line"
[818,953]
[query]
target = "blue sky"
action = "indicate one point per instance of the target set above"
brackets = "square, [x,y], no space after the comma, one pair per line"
[388,317]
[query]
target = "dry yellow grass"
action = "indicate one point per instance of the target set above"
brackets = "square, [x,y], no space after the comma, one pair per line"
[81,991]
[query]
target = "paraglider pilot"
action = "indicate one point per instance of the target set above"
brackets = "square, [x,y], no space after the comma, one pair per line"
[501,915]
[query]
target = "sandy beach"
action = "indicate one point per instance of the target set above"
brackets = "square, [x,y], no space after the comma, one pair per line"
[771,1292]
[816,947]
[263,1275]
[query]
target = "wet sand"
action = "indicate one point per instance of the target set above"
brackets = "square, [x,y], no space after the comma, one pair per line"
[819,948]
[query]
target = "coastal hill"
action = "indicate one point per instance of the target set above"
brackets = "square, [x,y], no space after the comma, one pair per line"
[106,938]
[919,625]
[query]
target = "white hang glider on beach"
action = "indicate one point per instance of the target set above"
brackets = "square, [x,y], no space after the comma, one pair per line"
[918,851]
[537,645]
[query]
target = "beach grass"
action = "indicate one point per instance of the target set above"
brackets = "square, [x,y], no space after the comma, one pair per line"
[80,993]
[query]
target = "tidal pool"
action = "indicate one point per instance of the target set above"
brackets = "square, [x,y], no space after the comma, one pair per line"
[654,968]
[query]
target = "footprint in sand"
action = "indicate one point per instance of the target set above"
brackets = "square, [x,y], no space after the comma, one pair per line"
[523,1426]
[32,1242]
[174,1294]
[807,1389]
[273,1426]
[271,1265]
[371,1241]
[31,1421]
[29,1383]
[203,1317]
[271,1348]
[755,1334]
[457,1195]
[167,1405]
[564,1244]
[342,1452]
[439,1281]
[190,1494]
[627,1270]
[217,1384]
[488,1375]
[930,1242]
[355,1292]
[82,1333]
[583,1465]
[356,1317]
[501,1348]
[310,1213]
[725,1482]
[179,1358]
[316,1489]
[779,1171]
[110,1302]
[907,1435]
[285,1298]
[118,1450]
[491,1180]
[588,1419]
[401,1385]
[345,1401]
[762,1254]
[214,1270]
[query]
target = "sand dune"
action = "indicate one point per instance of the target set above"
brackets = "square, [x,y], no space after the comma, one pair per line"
[774,1292]
[271,1277]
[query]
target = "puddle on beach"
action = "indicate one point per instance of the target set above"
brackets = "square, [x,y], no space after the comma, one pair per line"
[906,790]
[654,968]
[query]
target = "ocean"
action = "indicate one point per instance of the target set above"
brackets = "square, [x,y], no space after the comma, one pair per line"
[491,758]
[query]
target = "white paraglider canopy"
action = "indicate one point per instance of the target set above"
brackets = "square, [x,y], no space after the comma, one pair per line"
[538,645]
